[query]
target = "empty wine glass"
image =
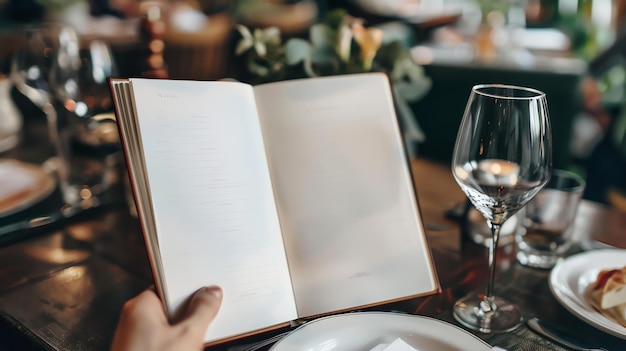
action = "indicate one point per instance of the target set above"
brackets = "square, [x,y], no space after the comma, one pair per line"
[85,93]
[43,46]
[502,158]
[89,133]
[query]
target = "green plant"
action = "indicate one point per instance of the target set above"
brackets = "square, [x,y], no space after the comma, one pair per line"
[341,44]
[57,4]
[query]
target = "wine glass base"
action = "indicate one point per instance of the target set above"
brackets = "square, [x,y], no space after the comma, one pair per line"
[505,316]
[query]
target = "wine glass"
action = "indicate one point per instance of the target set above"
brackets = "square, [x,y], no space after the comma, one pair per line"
[84,92]
[502,158]
[43,46]
[89,133]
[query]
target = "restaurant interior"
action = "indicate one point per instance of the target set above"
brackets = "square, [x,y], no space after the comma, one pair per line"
[71,259]
[545,44]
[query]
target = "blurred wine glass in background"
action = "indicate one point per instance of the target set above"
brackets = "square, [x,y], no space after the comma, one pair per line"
[89,132]
[43,46]
[67,80]
[85,93]
[32,62]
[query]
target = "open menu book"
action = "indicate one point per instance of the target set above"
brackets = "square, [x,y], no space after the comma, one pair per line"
[295,197]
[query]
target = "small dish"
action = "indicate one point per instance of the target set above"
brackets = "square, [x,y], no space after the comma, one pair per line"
[571,277]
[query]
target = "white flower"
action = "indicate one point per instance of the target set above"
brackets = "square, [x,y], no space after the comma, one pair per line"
[369,40]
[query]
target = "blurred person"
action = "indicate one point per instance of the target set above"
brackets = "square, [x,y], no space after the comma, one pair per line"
[143,324]
[606,164]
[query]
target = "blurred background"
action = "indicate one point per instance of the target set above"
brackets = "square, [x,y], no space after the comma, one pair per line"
[570,49]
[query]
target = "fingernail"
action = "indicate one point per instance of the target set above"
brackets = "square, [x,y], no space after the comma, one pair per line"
[215,290]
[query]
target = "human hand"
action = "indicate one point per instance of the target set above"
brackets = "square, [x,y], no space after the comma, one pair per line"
[143,324]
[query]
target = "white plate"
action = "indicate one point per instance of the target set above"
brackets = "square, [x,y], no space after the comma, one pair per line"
[362,331]
[22,185]
[570,277]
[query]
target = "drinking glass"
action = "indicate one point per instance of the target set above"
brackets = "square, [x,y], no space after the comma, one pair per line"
[546,230]
[502,158]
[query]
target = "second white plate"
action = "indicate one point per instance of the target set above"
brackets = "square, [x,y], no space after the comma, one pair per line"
[570,278]
[362,331]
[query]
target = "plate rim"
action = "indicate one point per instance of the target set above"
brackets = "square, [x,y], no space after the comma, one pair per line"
[389,314]
[46,187]
[570,299]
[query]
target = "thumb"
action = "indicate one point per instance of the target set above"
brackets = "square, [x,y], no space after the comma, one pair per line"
[202,309]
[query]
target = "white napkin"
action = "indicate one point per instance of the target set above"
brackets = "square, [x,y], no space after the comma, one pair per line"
[15,179]
[396,345]
[401,345]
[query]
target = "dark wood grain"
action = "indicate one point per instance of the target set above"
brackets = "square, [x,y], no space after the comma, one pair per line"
[74,308]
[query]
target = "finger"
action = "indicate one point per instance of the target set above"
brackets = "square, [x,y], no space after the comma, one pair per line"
[146,306]
[202,309]
[141,317]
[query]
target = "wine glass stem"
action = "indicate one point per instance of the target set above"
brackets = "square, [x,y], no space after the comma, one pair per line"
[51,119]
[61,151]
[493,251]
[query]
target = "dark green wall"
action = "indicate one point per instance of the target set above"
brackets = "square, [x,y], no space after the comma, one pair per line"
[441,110]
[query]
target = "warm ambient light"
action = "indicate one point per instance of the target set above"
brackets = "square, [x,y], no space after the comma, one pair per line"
[498,171]
[69,105]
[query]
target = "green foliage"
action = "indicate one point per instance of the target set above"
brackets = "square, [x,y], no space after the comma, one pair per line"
[265,54]
[57,4]
[338,45]
[580,33]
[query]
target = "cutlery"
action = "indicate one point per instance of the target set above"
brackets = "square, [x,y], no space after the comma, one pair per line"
[559,336]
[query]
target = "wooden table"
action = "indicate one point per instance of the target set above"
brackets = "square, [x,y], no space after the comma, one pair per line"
[63,288]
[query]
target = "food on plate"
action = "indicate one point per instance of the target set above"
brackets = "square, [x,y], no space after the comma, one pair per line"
[608,294]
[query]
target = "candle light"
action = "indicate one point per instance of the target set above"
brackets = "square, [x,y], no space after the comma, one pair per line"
[500,172]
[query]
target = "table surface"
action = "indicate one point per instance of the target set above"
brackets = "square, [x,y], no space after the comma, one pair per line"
[63,288]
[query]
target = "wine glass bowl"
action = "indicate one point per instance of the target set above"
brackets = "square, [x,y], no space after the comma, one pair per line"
[45,46]
[32,62]
[87,98]
[502,158]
